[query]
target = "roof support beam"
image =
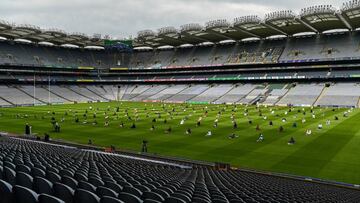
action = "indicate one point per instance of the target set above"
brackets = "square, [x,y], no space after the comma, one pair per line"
[274,28]
[307,25]
[246,32]
[347,24]
[193,36]
[177,40]
[218,34]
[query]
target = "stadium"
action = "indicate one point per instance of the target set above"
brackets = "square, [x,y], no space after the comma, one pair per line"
[249,110]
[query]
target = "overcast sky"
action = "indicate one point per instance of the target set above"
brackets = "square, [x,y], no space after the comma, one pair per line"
[123,18]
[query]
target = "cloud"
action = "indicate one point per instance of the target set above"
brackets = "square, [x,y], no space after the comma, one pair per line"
[123,18]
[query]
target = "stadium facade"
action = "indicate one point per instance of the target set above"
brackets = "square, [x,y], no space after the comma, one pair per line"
[310,59]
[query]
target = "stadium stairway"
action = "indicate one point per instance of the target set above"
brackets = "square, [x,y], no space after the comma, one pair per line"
[125,90]
[261,98]
[2,98]
[234,86]
[288,87]
[180,91]
[78,93]
[163,99]
[66,99]
[321,95]
[95,93]
[30,95]
[199,93]
[150,95]
[109,89]
[121,93]
[251,102]
[142,92]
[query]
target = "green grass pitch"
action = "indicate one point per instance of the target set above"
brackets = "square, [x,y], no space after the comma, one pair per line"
[331,153]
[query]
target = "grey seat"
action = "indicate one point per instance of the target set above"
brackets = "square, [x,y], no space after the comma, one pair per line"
[200,200]
[69,181]
[23,168]
[45,198]
[84,196]
[153,196]
[104,191]
[66,172]
[24,195]
[63,192]
[42,186]
[53,177]
[86,186]
[181,196]
[9,165]
[151,201]
[129,198]
[219,200]
[142,188]
[174,200]
[9,175]
[96,181]
[132,190]
[24,179]
[123,183]
[38,172]
[80,177]
[114,186]
[5,192]
[107,199]
[161,192]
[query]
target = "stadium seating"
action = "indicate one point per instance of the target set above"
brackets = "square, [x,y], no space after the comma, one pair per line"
[343,95]
[213,93]
[66,93]
[150,91]
[189,93]
[326,47]
[339,94]
[133,91]
[42,94]
[28,54]
[168,92]
[14,96]
[236,93]
[274,96]
[302,95]
[75,175]
[254,96]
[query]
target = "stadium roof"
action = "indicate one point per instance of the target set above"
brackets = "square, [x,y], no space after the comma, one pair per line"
[315,19]
[55,36]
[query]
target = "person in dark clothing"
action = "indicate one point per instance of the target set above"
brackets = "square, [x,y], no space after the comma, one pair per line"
[291,141]
[168,131]
[144,146]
